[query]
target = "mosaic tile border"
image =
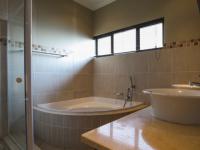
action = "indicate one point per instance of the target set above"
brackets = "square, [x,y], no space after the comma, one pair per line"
[185,43]
[16,45]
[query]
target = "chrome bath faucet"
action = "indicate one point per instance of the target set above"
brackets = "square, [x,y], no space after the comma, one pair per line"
[130,91]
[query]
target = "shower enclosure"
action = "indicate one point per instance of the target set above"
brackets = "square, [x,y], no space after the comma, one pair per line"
[15,74]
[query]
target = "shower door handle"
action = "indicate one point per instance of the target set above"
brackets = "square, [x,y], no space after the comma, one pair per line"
[19,80]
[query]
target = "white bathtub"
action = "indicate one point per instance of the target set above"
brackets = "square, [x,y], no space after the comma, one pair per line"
[89,106]
[61,123]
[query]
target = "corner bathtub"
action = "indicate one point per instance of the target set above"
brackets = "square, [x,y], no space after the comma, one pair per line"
[61,124]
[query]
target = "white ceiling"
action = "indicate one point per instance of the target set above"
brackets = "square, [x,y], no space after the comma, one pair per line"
[94,4]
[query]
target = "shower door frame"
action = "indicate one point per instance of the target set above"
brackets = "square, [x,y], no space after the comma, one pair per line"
[28,72]
[27,77]
[4,78]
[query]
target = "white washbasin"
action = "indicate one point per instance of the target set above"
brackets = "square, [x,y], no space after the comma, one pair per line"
[186,86]
[176,105]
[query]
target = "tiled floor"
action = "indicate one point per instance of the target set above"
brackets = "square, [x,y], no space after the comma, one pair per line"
[2,146]
[18,132]
[45,146]
[48,147]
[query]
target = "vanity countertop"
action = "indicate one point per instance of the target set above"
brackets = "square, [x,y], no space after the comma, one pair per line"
[141,131]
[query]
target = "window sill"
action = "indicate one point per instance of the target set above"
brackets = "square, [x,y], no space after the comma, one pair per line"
[125,53]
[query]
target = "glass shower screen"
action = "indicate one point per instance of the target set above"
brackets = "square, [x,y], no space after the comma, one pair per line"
[15,73]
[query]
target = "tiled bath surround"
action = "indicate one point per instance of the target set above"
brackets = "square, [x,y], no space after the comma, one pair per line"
[63,131]
[151,69]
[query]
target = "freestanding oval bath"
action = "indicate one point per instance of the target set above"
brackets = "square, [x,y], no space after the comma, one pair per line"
[61,124]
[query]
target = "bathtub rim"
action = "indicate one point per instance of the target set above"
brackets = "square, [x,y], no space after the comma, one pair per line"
[139,106]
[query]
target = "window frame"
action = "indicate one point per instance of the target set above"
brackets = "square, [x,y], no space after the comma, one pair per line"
[96,45]
[122,32]
[137,28]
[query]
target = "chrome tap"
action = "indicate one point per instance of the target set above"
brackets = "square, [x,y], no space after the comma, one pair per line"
[130,91]
[194,83]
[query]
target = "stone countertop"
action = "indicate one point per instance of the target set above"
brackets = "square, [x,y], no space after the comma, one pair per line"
[141,131]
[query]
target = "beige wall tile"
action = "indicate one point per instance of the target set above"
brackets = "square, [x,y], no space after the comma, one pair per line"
[64,95]
[121,65]
[138,62]
[160,60]
[181,59]
[104,65]
[195,76]
[103,85]
[159,80]
[194,58]
[64,25]
[185,77]
[141,81]
[80,94]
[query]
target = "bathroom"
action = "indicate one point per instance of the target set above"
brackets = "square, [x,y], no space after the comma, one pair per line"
[58,56]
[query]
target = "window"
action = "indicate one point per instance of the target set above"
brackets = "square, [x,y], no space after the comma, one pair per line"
[125,41]
[104,46]
[145,36]
[151,36]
